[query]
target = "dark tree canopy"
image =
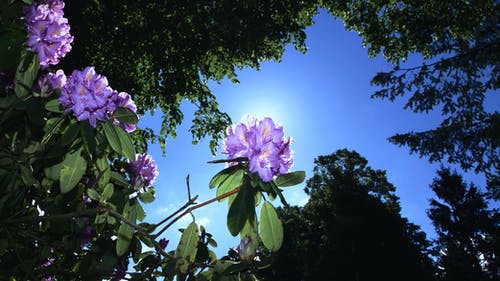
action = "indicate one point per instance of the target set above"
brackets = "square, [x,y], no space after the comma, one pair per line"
[467,246]
[350,229]
[164,52]
[458,41]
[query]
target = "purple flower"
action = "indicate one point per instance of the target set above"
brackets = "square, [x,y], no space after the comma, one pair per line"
[49,82]
[88,96]
[124,100]
[263,143]
[48,31]
[144,169]
[163,243]
[48,262]
[57,80]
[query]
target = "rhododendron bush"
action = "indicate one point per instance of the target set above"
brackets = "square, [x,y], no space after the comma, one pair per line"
[73,181]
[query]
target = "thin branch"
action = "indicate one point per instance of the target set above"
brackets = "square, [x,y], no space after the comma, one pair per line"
[189,210]
[125,220]
[190,202]
[453,57]
[188,188]
[53,217]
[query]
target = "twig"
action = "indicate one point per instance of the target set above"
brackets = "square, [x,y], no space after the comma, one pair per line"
[190,202]
[188,188]
[220,197]
[54,217]
[125,220]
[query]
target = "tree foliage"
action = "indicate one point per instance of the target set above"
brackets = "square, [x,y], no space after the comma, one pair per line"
[174,48]
[73,187]
[165,52]
[350,229]
[467,246]
[458,41]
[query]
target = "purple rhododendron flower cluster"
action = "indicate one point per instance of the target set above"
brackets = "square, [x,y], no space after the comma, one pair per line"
[144,169]
[49,82]
[263,143]
[88,95]
[48,31]
[124,100]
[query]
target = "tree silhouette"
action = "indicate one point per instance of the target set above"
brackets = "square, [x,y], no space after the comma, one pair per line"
[350,229]
[458,42]
[467,246]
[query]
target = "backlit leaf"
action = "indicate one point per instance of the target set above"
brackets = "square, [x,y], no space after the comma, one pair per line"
[290,179]
[271,229]
[242,209]
[230,183]
[125,232]
[125,115]
[72,169]
[187,248]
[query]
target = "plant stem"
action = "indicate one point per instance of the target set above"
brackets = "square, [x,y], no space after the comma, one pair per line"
[54,217]
[125,220]
[220,197]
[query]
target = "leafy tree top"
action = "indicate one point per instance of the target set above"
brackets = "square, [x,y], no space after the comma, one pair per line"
[458,42]
[172,49]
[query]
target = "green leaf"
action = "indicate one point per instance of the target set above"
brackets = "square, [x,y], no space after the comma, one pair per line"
[233,181]
[238,159]
[119,140]
[107,192]
[148,196]
[119,179]
[222,176]
[128,148]
[290,179]
[112,137]
[125,115]
[26,74]
[70,134]
[139,211]
[187,248]
[276,191]
[54,106]
[104,171]
[100,218]
[88,136]
[242,208]
[53,172]
[72,170]
[51,128]
[125,232]
[27,177]
[271,229]
[93,194]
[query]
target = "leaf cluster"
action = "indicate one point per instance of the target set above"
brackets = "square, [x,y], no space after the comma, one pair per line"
[457,42]
[174,48]
[350,229]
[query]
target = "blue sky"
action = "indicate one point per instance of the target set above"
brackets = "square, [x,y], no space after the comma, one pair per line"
[322,99]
